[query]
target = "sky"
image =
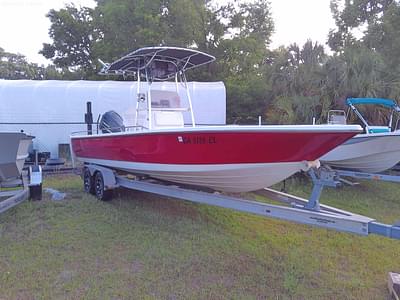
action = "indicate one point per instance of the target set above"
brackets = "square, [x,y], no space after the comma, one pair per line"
[24,26]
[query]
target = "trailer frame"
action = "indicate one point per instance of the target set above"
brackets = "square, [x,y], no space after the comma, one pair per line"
[101,181]
[28,186]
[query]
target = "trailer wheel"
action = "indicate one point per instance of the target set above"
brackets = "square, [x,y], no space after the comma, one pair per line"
[100,192]
[88,182]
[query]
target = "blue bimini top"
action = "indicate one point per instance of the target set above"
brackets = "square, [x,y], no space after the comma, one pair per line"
[380,101]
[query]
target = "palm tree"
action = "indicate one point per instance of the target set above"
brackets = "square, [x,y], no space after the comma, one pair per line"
[298,83]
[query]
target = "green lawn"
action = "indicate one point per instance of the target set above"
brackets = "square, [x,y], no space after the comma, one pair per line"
[141,246]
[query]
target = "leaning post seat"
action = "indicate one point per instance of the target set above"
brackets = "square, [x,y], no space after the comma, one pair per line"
[167,119]
[378,129]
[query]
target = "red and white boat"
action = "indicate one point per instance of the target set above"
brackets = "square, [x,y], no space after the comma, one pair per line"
[226,158]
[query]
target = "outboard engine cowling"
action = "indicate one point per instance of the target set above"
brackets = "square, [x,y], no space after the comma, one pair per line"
[111,122]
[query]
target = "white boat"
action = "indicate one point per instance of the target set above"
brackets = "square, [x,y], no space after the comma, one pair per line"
[225,158]
[376,150]
[14,148]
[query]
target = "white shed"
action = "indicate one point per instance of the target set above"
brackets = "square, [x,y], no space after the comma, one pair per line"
[51,109]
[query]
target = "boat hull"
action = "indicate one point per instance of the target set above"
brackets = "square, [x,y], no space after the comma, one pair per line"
[222,177]
[233,159]
[14,148]
[371,153]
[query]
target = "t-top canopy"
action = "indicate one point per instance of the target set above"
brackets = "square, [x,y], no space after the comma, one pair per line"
[157,63]
[380,101]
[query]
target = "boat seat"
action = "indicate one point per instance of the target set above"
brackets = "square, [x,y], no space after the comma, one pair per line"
[378,129]
[167,119]
[337,117]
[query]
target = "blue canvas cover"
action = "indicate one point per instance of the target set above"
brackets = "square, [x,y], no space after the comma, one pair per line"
[379,101]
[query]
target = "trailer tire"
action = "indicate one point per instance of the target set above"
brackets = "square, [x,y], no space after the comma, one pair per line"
[100,192]
[88,182]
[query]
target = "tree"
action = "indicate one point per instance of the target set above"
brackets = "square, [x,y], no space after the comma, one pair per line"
[366,65]
[124,25]
[297,77]
[113,28]
[73,35]
[15,66]
[241,55]
[354,15]
[383,36]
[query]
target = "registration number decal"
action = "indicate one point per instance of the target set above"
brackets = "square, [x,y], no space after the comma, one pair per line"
[197,140]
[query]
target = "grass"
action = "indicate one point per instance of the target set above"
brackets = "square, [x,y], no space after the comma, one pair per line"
[141,246]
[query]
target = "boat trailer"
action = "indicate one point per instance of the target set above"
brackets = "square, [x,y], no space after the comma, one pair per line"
[100,181]
[19,190]
[338,175]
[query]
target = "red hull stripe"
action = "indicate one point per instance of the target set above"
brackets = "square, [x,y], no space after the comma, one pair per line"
[211,147]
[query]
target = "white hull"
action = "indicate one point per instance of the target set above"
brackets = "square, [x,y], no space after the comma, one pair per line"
[224,177]
[371,153]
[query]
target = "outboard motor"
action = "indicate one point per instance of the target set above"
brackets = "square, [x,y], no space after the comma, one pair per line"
[111,122]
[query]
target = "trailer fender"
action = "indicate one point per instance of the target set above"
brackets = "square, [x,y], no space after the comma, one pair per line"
[109,177]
